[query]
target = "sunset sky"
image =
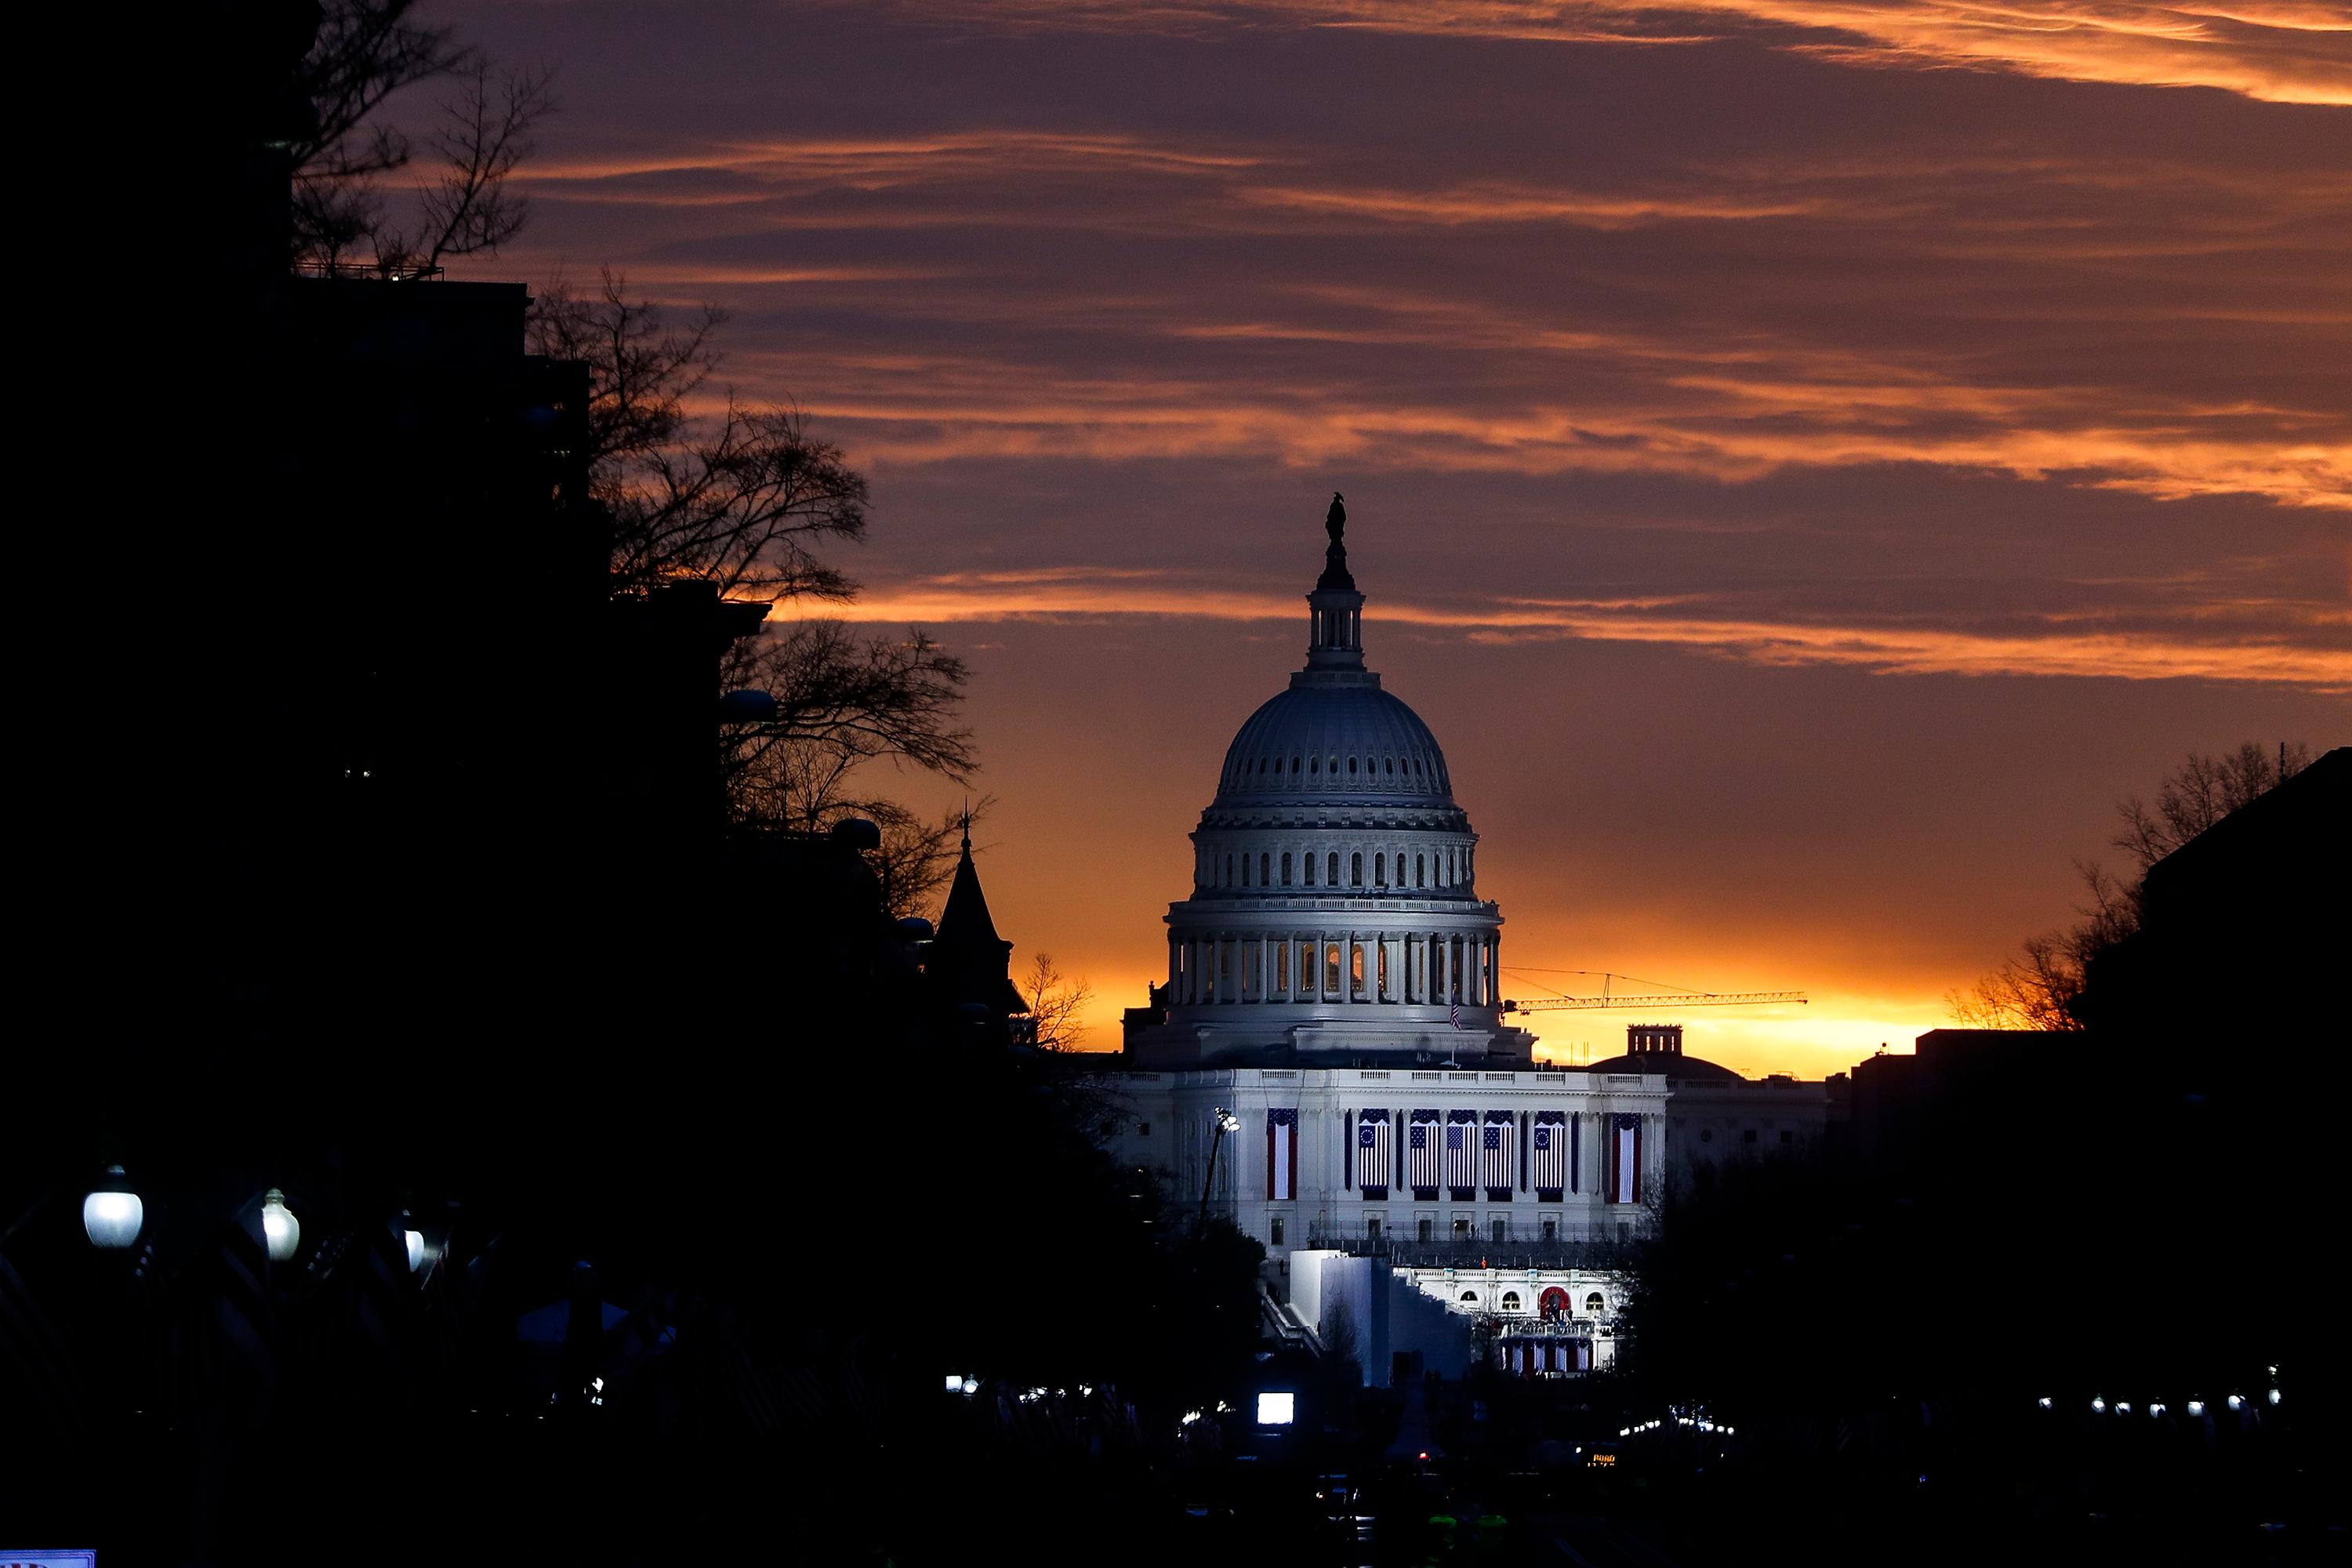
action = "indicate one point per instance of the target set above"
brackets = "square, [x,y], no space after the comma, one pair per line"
[1806,459]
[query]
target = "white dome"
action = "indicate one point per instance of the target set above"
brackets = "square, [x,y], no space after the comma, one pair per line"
[1334,741]
[1334,913]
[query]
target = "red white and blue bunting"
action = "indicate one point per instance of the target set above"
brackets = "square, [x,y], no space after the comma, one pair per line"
[1282,1155]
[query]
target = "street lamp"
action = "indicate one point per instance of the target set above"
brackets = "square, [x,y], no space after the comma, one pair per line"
[1226,1122]
[112,1213]
[281,1231]
[415,1240]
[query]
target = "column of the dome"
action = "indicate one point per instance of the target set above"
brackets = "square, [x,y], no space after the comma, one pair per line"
[1347,968]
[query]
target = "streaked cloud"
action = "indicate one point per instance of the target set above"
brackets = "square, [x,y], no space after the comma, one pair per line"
[2284,645]
[2284,52]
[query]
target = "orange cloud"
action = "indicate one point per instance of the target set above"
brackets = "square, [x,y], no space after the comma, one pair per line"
[2284,52]
[2072,645]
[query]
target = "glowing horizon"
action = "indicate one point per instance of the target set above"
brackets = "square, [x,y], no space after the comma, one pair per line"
[1807,460]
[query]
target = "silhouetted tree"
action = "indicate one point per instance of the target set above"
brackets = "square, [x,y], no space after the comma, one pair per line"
[365,51]
[1055,1005]
[2038,988]
[745,497]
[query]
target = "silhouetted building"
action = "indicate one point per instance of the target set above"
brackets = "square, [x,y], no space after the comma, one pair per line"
[968,965]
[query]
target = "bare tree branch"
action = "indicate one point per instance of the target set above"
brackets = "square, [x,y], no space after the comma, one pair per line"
[2039,988]
[1056,1006]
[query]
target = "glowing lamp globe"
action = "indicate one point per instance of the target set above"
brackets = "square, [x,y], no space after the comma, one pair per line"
[415,1240]
[113,1213]
[281,1231]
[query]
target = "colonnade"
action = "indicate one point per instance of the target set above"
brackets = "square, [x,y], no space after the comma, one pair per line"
[1345,968]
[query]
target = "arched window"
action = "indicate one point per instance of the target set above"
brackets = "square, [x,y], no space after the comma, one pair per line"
[1331,762]
[1356,869]
[1263,862]
[1593,1304]
[1470,1295]
[1510,1300]
[1379,870]
[1331,968]
[1331,869]
[1312,765]
[1286,868]
[1388,765]
[1351,765]
[1245,871]
[1419,871]
[1229,868]
[1310,870]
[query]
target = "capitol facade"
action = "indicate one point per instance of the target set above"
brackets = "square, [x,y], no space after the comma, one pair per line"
[1328,1064]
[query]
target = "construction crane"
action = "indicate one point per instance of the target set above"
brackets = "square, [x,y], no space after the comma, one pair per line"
[1561,1003]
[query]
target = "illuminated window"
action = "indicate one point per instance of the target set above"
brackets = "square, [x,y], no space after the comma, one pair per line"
[1593,1305]
[1510,1300]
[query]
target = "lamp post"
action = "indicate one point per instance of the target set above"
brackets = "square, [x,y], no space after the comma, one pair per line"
[1227,1121]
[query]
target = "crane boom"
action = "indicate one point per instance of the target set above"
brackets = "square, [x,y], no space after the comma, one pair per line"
[1690,999]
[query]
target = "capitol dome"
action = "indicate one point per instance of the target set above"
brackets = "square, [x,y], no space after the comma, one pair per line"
[1320,742]
[1333,910]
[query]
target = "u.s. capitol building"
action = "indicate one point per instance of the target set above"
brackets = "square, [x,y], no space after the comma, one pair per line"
[1328,1059]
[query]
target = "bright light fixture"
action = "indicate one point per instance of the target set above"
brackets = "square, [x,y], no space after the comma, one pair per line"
[2196,1407]
[415,1240]
[281,1231]
[113,1213]
[1276,1407]
[2097,1404]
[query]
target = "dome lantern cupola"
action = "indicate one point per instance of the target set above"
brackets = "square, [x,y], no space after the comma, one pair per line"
[1335,610]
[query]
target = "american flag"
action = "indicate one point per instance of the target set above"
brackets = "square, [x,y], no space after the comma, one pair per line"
[1624,1159]
[1372,1156]
[1281,1156]
[1497,1153]
[1420,1162]
[1461,1153]
[1454,1008]
[1549,1140]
